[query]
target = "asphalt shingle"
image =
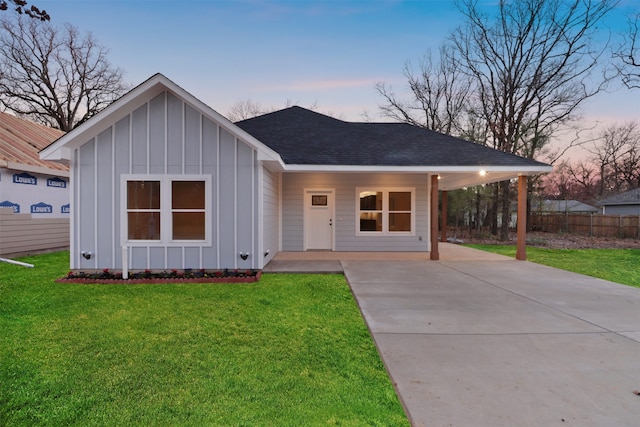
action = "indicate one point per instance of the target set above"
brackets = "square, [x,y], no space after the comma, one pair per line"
[304,137]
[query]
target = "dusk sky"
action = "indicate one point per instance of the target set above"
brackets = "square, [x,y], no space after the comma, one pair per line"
[328,53]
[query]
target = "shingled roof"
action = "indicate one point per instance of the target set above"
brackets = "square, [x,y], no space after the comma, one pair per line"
[631,197]
[21,141]
[304,137]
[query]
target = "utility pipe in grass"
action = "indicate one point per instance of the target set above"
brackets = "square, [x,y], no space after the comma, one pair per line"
[10,261]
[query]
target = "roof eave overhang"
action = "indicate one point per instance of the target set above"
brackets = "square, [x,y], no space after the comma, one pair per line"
[451,177]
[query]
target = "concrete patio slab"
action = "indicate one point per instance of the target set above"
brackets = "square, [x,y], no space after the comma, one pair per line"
[329,261]
[503,342]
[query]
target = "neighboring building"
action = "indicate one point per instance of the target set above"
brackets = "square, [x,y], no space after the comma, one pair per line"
[164,181]
[28,184]
[34,188]
[562,206]
[627,203]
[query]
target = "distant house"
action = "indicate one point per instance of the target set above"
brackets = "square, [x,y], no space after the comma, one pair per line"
[31,189]
[562,206]
[162,181]
[627,203]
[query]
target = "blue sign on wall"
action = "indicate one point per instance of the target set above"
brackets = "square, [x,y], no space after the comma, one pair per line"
[65,208]
[24,178]
[41,208]
[8,204]
[56,182]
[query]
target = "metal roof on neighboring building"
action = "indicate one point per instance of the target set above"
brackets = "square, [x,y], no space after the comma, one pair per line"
[21,141]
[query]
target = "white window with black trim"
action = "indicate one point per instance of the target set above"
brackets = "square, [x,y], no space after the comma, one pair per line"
[166,210]
[385,211]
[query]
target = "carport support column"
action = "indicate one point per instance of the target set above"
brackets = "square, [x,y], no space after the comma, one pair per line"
[443,217]
[435,255]
[521,251]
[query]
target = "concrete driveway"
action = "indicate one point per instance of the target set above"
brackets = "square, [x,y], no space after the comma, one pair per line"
[499,342]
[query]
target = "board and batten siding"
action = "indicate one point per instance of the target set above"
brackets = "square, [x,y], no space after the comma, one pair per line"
[271,214]
[165,136]
[345,185]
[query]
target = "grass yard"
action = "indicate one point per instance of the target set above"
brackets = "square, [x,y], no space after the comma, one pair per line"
[290,350]
[616,265]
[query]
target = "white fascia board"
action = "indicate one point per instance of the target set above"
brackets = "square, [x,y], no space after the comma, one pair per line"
[516,170]
[61,155]
[272,165]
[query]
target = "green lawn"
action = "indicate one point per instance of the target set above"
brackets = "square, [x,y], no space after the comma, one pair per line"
[290,350]
[616,265]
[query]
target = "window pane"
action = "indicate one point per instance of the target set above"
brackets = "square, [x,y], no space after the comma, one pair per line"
[399,222]
[188,226]
[370,221]
[187,194]
[399,201]
[143,194]
[144,225]
[370,201]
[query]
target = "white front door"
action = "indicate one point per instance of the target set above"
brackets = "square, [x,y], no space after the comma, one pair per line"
[318,219]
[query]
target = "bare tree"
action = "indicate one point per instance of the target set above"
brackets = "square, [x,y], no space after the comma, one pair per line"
[532,67]
[439,95]
[55,76]
[579,181]
[20,6]
[628,55]
[246,109]
[616,154]
[586,180]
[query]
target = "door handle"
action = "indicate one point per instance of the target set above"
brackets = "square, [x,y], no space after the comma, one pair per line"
[330,222]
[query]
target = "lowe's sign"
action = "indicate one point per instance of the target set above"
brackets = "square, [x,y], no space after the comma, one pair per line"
[56,182]
[41,208]
[65,209]
[24,178]
[8,204]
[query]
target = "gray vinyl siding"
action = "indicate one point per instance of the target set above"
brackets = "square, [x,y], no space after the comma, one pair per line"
[271,213]
[345,219]
[21,234]
[621,210]
[165,136]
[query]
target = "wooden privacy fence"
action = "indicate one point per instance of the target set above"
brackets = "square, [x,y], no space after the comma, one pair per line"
[624,226]
[21,234]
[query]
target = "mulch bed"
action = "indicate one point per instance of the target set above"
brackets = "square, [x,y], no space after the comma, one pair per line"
[174,276]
